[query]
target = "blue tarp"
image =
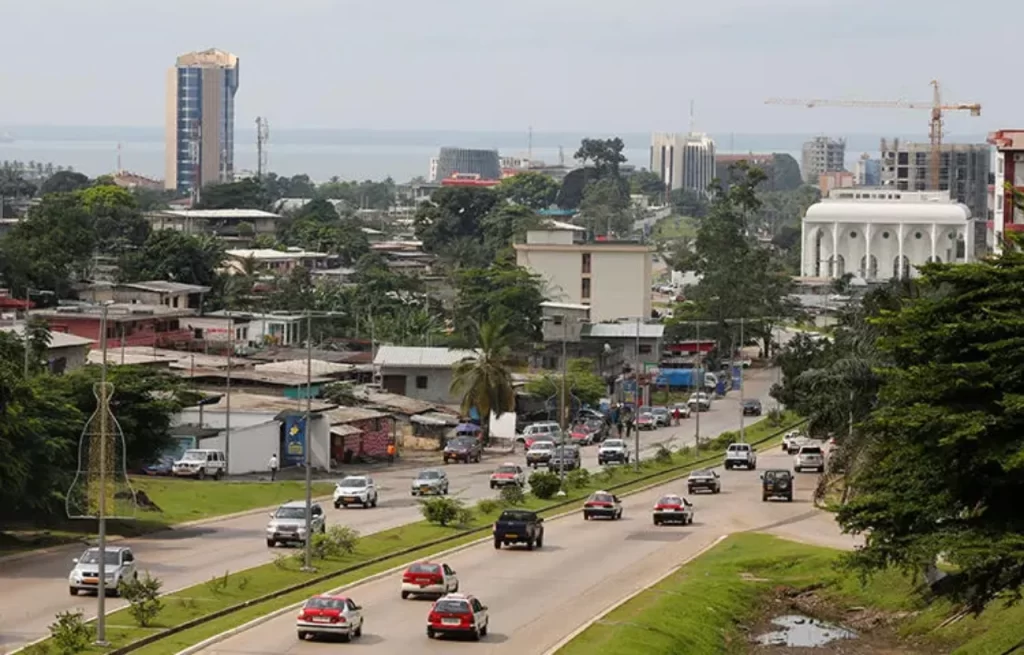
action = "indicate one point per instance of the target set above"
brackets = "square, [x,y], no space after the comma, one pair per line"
[678,377]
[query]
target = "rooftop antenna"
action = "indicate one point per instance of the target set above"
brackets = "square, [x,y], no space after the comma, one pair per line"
[529,146]
[262,136]
[119,169]
[692,120]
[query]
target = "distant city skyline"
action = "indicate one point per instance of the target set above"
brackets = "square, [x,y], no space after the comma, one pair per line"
[575,64]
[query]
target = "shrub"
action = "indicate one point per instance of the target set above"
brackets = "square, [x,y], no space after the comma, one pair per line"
[512,495]
[334,543]
[70,633]
[578,479]
[218,583]
[722,441]
[544,484]
[464,517]
[443,510]
[488,505]
[775,417]
[143,596]
[608,473]
[663,454]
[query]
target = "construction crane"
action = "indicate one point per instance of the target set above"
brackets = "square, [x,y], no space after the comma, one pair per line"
[936,107]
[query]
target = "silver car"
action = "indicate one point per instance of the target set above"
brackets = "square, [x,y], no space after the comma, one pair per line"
[288,523]
[430,482]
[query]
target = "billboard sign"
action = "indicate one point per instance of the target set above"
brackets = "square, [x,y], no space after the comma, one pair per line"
[294,439]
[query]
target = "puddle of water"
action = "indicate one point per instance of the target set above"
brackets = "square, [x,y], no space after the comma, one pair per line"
[804,632]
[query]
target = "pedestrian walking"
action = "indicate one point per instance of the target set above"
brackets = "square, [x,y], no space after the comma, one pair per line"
[676,415]
[629,425]
[391,453]
[272,465]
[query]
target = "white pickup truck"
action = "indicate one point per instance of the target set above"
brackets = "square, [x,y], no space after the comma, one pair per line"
[740,455]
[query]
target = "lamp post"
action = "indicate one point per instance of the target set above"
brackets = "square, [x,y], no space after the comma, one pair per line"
[636,424]
[101,517]
[563,415]
[227,393]
[700,385]
[743,433]
[25,334]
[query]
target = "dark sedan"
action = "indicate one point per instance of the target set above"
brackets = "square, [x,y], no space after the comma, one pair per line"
[462,449]
[751,407]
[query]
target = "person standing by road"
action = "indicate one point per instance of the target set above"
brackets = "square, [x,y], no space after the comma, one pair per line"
[629,424]
[272,465]
[391,452]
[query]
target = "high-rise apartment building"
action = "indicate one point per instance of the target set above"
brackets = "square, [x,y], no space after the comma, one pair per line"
[1008,166]
[868,171]
[200,121]
[963,171]
[822,155]
[683,161]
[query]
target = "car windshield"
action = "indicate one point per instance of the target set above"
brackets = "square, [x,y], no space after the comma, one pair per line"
[193,456]
[349,483]
[452,606]
[566,452]
[510,468]
[425,568]
[738,448]
[429,475]
[701,474]
[542,445]
[614,443]
[516,515]
[603,498]
[776,475]
[290,513]
[810,450]
[645,410]
[325,604]
[751,403]
[660,410]
[670,500]
[93,557]
[461,443]
[646,416]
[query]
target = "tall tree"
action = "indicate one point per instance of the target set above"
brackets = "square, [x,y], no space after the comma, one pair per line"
[945,444]
[605,208]
[175,256]
[243,194]
[504,224]
[529,189]
[484,381]
[502,293]
[64,182]
[116,217]
[687,202]
[647,183]
[605,154]
[451,214]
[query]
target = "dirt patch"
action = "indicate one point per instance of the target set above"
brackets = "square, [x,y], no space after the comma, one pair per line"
[875,630]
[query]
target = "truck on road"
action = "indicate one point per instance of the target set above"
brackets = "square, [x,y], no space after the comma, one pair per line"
[519,526]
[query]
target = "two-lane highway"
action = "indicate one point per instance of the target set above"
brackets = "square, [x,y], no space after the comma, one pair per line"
[536,598]
[35,589]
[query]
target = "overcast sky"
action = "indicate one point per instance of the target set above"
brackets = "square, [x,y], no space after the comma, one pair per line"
[573,65]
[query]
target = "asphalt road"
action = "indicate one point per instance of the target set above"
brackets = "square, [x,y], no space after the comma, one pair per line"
[35,589]
[537,598]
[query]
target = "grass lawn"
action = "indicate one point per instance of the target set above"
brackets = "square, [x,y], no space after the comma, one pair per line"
[237,587]
[674,227]
[181,501]
[700,609]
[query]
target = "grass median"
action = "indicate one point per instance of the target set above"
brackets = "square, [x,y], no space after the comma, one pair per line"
[179,501]
[714,604]
[234,588]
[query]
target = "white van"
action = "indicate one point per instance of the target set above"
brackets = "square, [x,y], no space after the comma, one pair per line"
[199,463]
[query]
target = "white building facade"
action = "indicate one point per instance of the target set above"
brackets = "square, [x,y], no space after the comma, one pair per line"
[684,161]
[880,234]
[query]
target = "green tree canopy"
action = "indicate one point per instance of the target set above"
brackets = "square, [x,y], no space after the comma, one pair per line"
[175,256]
[243,194]
[484,381]
[581,381]
[605,154]
[945,446]
[647,183]
[529,189]
[605,208]
[687,202]
[502,293]
[117,220]
[64,182]
[505,223]
[453,213]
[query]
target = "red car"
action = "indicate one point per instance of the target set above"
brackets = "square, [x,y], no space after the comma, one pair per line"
[425,578]
[458,614]
[646,422]
[329,615]
[581,435]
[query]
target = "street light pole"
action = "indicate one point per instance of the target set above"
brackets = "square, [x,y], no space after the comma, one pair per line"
[227,394]
[103,406]
[743,432]
[562,418]
[636,421]
[24,334]
[309,469]
[700,385]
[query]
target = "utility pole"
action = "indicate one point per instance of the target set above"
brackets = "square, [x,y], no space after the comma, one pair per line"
[227,393]
[24,334]
[636,424]
[743,433]
[101,519]
[700,386]
[563,419]
[309,469]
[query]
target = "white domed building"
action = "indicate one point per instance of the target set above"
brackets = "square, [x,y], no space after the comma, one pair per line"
[871,232]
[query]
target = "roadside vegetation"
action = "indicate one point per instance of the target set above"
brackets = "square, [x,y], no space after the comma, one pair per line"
[448,519]
[731,592]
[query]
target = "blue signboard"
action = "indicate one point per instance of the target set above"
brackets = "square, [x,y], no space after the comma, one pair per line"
[629,391]
[737,377]
[294,439]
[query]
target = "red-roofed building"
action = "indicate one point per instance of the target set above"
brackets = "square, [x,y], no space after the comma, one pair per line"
[468,180]
[1007,169]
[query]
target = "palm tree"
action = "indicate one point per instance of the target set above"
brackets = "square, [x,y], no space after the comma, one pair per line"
[484,380]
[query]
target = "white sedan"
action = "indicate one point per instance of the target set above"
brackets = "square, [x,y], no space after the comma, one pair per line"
[329,615]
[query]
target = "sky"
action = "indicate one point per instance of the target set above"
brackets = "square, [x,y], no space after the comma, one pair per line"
[557,65]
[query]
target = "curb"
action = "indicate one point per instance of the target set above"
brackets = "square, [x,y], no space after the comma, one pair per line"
[616,605]
[7,559]
[191,650]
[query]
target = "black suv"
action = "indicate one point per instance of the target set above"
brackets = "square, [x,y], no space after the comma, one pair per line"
[462,449]
[751,407]
[776,483]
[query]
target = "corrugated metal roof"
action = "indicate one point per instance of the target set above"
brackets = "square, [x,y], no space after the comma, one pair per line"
[57,339]
[298,367]
[350,414]
[419,357]
[624,330]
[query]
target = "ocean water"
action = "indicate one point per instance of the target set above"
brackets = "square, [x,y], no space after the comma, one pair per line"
[351,154]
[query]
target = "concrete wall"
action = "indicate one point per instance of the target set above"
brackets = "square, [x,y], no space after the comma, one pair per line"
[438,381]
[251,446]
[620,285]
[73,357]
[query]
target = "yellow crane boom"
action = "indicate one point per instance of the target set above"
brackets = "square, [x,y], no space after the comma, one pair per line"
[936,107]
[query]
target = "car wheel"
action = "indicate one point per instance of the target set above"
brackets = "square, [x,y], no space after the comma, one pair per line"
[73,591]
[430,633]
[764,498]
[413,494]
[345,638]
[219,474]
[483,629]
[657,522]
[366,503]
[374,503]
[494,486]
[337,504]
[456,589]
[586,517]
[540,540]
[302,635]
[271,543]
[529,544]
[789,498]
[405,595]
[201,475]
[619,515]
[497,544]
[358,632]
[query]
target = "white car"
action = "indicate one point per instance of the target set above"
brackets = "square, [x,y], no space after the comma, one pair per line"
[118,566]
[288,523]
[330,615]
[700,402]
[809,457]
[740,455]
[613,450]
[201,463]
[791,442]
[673,508]
[546,431]
[423,578]
[508,474]
[430,482]
[355,490]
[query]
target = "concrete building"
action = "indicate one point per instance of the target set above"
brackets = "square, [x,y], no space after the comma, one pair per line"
[835,180]
[683,161]
[1008,169]
[963,170]
[133,324]
[278,262]
[467,161]
[153,292]
[200,120]
[66,352]
[822,155]
[638,343]
[867,171]
[253,328]
[880,234]
[613,278]
[226,223]
[418,372]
